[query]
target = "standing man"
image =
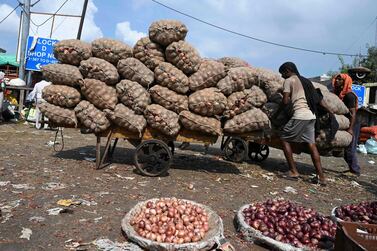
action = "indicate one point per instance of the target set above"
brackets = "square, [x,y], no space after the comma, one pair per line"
[342,86]
[301,127]
[2,90]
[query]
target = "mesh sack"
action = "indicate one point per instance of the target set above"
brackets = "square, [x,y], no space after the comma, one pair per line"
[273,90]
[124,117]
[199,123]
[342,139]
[162,119]
[59,116]
[148,52]
[251,120]
[210,72]
[100,69]
[238,79]
[265,76]
[334,103]
[61,95]
[208,102]
[280,120]
[99,94]
[169,99]
[183,56]
[240,102]
[322,87]
[233,62]
[91,118]
[133,95]
[343,121]
[72,51]
[62,74]
[134,70]
[111,50]
[165,32]
[169,76]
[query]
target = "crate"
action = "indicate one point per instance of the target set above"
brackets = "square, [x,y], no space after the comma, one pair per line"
[352,236]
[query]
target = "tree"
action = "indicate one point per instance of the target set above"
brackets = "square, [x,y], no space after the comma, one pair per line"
[370,62]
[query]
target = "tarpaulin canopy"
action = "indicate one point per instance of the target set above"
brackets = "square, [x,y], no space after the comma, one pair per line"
[8,59]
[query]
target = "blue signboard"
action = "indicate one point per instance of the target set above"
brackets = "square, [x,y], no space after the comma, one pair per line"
[40,51]
[359,90]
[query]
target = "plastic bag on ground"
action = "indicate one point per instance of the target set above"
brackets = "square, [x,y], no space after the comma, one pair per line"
[371,146]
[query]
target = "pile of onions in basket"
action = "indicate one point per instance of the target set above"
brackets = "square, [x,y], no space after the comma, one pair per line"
[289,223]
[365,212]
[172,221]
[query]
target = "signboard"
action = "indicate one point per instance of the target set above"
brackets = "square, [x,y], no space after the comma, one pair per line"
[359,90]
[40,51]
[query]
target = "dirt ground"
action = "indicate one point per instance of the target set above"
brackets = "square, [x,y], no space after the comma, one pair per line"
[33,178]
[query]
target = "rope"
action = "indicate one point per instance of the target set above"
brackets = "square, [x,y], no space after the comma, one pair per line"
[60,129]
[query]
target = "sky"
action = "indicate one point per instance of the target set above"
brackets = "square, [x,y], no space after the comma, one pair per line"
[342,26]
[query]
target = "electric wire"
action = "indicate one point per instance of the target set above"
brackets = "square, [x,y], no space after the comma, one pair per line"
[255,38]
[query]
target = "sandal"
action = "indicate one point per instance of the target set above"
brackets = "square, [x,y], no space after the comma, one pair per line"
[317,181]
[288,176]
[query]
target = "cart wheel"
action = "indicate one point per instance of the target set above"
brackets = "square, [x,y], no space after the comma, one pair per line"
[235,149]
[153,157]
[258,152]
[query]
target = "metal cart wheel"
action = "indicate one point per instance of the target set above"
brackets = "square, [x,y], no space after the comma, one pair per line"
[258,152]
[153,157]
[235,149]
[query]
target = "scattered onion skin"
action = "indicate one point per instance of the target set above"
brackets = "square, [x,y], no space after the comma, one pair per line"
[289,223]
[170,220]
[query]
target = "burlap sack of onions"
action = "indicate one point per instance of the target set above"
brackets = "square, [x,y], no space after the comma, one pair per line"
[124,117]
[133,95]
[100,69]
[165,32]
[61,95]
[169,76]
[134,70]
[90,117]
[72,51]
[99,94]
[199,123]
[169,99]
[62,74]
[148,52]
[58,115]
[162,119]
[111,50]
[209,73]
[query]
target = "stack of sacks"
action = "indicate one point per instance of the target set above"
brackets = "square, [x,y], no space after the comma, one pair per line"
[367,133]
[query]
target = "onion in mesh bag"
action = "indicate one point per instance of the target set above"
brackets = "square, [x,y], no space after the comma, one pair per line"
[100,69]
[72,51]
[111,50]
[162,119]
[342,139]
[183,56]
[133,95]
[208,102]
[343,121]
[134,70]
[148,52]
[199,123]
[334,103]
[210,72]
[91,118]
[171,77]
[62,74]
[238,79]
[232,62]
[124,117]
[251,120]
[240,102]
[99,94]
[58,115]
[165,32]
[169,99]
[61,95]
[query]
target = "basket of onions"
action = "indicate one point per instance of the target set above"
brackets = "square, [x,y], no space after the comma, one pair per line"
[173,224]
[284,225]
[364,212]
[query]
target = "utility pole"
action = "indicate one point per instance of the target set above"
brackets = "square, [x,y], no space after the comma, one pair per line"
[24,38]
[82,19]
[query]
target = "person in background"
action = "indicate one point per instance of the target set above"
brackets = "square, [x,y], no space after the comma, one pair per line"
[342,87]
[36,95]
[301,127]
[2,91]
